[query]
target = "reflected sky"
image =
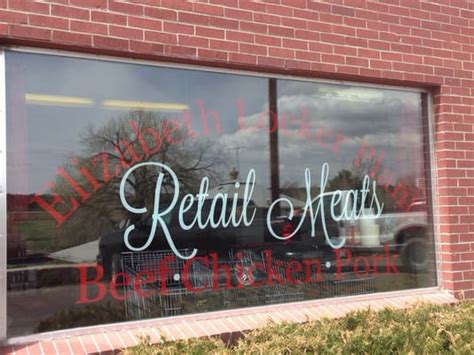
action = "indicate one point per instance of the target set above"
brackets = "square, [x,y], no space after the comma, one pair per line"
[52,134]
[318,122]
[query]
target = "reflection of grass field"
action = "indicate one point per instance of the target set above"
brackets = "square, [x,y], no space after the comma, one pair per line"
[39,235]
[403,281]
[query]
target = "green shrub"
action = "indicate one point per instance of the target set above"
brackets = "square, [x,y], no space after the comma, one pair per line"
[421,329]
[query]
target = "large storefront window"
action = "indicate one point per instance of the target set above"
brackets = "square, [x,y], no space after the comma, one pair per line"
[137,191]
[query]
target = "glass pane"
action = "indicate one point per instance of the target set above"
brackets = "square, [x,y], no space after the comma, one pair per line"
[75,127]
[371,146]
[138,191]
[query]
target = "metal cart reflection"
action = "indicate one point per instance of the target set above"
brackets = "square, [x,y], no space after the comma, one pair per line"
[237,283]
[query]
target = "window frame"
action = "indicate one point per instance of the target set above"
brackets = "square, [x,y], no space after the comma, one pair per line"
[427,132]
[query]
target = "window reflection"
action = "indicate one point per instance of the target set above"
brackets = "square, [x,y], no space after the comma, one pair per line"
[226,138]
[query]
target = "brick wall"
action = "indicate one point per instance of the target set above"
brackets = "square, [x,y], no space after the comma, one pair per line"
[404,42]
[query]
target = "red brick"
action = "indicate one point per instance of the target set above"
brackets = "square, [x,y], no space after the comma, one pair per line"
[106,17]
[277,9]
[210,32]
[72,38]
[26,6]
[297,65]
[161,14]
[295,3]
[329,18]
[125,8]
[141,22]
[332,58]
[344,50]
[368,53]
[48,22]
[253,27]
[191,41]
[310,56]
[88,27]
[404,48]
[240,36]
[330,38]
[380,64]
[342,10]
[266,18]
[224,45]
[356,61]
[321,47]
[355,22]
[399,11]
[323,67]
[177,5]
[179,50]
[295,44]
[160,37]
[243,58]
[367,34]
[319,6]
[365,14]
[3,29]
[294,23]
[211,54]
[30,32]
[281,31]
[97,4]
[268,40]
[208,9]
[356,42]
[270,62]
[224,23]
[110,43]
[281,53]
[381,45]
[308,35]
[320,27]
[252,5]
[13,17]
[193,18]
[146,47]
[178,28]
[238,14]
[126,32]
[344,69]
[253,49]
[344,30]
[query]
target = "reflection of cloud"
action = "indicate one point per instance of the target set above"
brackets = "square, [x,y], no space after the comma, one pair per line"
[389,124]
[60,126]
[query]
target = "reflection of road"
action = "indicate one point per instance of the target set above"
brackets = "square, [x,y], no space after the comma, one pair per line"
[27,308]
[31,306]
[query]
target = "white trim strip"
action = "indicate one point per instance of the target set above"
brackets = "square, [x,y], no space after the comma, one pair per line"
[3,200]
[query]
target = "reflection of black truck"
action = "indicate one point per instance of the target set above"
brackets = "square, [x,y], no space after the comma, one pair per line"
[405,233]
[223,241]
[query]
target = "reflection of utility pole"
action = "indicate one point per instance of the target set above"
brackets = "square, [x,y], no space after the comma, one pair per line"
[237,148]
[273,129]
[237,159]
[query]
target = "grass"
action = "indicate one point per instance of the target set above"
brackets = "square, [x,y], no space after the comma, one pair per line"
[40,235]
[421,329]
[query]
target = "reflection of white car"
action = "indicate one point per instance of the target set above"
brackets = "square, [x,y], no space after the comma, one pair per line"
[405,233]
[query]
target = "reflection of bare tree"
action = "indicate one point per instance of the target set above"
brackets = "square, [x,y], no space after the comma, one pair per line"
[111,149]
[345,180]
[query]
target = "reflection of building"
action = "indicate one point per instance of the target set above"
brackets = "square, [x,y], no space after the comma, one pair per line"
[94,87]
